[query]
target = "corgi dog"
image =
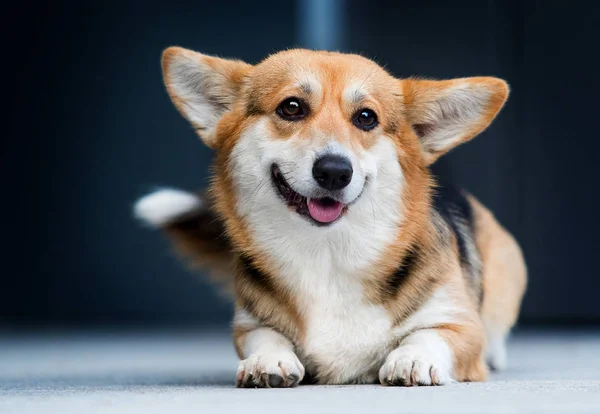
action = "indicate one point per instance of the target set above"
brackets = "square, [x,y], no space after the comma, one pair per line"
[348,262]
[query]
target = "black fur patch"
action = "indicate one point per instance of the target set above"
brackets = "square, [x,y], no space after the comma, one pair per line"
[254,274]
[259,279]
[204,226]
[395,281]
[252,108]
[454,208]
[452,205]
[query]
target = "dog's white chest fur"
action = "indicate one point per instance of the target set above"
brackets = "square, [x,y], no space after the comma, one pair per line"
[346,338]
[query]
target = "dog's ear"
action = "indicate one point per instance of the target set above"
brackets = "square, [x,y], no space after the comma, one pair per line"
[202,87]
[447,113]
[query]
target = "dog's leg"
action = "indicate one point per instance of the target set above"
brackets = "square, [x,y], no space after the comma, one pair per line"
[496,348]
[423,358]
[269,359]
[436,356]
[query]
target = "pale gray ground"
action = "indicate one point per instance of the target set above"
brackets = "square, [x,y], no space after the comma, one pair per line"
[175,372]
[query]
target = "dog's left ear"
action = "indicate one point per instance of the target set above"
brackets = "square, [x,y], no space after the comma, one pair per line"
[447,113]
[202,87]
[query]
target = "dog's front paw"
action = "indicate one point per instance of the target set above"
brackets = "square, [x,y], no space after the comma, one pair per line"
[409,365]
[270,371]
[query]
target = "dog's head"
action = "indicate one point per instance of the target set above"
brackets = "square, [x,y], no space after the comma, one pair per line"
[321,142]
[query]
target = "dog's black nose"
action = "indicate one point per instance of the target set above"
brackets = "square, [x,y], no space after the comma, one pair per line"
[332,172]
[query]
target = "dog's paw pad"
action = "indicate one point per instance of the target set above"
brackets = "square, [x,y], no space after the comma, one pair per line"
[274,380]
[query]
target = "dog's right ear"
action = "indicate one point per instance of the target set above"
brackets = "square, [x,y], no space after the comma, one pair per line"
[202,87]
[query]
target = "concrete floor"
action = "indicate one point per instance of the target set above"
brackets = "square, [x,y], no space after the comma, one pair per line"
[175,372]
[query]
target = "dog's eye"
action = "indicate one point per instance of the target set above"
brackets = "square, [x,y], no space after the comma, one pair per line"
[365,119]
[292,109]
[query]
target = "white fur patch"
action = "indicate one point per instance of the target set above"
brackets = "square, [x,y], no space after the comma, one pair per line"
[164,206]
[346,339]
[243,319]
[438,310]
[264,341]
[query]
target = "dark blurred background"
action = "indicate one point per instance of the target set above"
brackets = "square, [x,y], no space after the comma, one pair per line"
[90,129]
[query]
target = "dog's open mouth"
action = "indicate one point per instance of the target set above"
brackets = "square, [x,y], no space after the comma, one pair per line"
[322,211]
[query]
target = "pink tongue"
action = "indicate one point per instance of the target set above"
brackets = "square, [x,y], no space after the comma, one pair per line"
[324,211]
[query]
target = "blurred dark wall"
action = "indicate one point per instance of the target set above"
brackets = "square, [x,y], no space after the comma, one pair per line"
[90,128]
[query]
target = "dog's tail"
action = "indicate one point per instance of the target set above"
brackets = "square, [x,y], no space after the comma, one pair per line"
[195,229]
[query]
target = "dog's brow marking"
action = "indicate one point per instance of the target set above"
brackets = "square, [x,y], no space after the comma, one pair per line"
[306,87]
[358,96]
[354,94]
[307,81]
